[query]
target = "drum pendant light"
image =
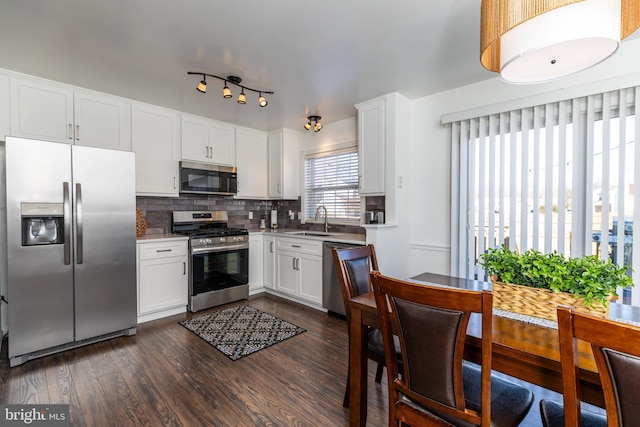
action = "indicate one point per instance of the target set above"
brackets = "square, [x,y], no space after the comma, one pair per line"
[532,41]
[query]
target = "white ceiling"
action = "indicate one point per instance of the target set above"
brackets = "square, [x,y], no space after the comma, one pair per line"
[319,57]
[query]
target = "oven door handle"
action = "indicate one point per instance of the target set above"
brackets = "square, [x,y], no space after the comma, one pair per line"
[225,248]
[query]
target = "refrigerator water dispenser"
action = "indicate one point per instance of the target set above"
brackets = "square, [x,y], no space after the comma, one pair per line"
[42,224]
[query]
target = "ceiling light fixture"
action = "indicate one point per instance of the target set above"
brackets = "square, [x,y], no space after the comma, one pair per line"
[316,123]
[533,41]
[226,92]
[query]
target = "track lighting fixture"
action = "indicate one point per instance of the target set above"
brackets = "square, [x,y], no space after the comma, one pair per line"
[226,92]
[316,123]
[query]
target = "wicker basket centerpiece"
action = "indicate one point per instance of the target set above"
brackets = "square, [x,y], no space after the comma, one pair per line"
[534,283]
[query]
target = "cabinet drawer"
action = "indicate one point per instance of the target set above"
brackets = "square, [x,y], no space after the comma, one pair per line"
[300,246]
[161,250]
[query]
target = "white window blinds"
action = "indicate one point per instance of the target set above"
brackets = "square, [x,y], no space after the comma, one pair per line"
[331,180]
[554,177]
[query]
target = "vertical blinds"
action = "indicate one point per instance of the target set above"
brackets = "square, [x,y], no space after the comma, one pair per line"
[554,177]
[331,180]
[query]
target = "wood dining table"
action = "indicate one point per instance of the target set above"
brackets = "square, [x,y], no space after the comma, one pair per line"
[520,349]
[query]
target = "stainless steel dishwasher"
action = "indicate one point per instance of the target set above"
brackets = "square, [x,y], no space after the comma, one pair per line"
[331,293]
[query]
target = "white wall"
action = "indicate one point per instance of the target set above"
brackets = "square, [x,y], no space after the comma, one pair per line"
[430,161]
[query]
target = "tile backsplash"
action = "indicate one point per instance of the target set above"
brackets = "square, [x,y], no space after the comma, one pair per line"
[157,212]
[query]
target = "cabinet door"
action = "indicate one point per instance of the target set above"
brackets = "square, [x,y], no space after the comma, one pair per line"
[195,138]
[162,284]
[275,165]
[222,143]
[310,276]
[371,147]
[284,180]
[287,274]
[252,164]
[156,144]
[5,107]
[269,266]
[102,121]
[256,261]
[41,111]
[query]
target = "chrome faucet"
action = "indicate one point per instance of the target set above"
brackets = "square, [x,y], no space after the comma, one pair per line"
[326,219]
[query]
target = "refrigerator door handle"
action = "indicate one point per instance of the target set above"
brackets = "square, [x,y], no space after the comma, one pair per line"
[66,203]
[79,223]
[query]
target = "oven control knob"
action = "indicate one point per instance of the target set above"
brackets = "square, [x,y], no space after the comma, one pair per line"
[209,241]
[222,240]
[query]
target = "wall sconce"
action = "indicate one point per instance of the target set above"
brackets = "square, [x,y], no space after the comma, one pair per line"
[316,123]
[532,41]
[226,92]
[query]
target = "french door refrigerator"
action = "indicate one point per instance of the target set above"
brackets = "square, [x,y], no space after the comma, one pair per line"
[71,272]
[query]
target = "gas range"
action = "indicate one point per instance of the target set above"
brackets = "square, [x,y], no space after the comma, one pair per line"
[218,258]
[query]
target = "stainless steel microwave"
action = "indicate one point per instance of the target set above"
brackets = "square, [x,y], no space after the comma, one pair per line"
[203,178]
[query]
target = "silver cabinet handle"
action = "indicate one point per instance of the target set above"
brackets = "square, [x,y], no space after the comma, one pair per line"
[77,132]
[174,182]
[271,247]
[294,263]
[163,250]
[211,153]
[184,268]
[279,188]
[206,152]
[297,263]
[70,131]
[296,246]
[79,224]
[66,203]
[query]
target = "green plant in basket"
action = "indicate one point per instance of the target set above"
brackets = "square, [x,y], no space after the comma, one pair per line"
[589,277]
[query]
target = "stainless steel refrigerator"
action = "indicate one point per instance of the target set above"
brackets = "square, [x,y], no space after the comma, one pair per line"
[71,272]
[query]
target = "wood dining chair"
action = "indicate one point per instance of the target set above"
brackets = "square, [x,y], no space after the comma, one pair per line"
[353,266]
[616,350]
[435,386]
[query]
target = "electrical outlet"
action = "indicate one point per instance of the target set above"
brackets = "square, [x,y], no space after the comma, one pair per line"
[250,215]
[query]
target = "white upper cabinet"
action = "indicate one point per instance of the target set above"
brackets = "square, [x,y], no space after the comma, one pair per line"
[102,121]
[55,112]
[252,163]
[5,107]
[283,164]
[371,147]
[156,142]
[209,141]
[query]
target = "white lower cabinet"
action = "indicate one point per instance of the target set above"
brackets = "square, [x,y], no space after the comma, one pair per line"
[299,269]
[163,278]
[256,260]
[269,264]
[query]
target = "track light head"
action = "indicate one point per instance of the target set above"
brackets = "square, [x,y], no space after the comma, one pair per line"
[242,98]
[262,101]
[202,86]
[226,92]
[316,123]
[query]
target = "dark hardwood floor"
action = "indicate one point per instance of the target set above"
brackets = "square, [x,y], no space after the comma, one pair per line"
[167,376]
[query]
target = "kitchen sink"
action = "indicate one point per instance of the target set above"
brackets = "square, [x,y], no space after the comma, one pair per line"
[312,233]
